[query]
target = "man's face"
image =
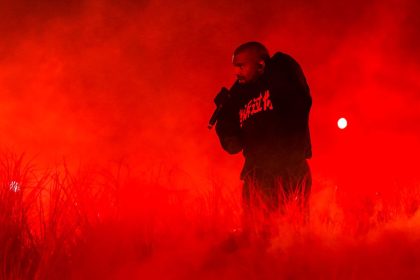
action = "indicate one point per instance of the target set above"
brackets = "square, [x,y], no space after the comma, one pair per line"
[247,67]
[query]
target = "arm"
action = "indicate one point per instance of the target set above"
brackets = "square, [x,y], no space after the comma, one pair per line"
[228,129]
[292,95]
[293,100]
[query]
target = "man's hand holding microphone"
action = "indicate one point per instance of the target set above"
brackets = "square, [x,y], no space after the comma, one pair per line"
[220,100]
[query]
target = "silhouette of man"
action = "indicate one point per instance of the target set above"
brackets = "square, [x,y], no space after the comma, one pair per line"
[265,115]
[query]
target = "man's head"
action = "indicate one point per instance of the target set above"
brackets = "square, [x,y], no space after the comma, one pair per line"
[249,61]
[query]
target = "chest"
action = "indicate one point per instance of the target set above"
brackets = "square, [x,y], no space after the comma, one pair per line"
[256,108]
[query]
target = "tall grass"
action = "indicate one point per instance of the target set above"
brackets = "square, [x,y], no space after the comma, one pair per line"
[98,223]
[46,215]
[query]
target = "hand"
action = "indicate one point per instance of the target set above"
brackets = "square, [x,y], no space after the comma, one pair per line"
[222,97]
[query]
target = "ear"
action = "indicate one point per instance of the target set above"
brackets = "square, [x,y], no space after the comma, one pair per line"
[261,66]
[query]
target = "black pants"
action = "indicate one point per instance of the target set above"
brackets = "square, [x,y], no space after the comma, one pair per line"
[266,193]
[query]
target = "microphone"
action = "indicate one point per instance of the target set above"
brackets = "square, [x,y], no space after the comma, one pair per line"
[221,98]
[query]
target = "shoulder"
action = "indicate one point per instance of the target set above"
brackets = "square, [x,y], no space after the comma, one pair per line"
[281,56]
[284,72]
[282,61]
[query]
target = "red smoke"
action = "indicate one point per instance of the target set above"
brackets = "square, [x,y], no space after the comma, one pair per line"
[98,82]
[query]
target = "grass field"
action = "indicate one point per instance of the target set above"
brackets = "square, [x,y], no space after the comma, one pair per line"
[94,223]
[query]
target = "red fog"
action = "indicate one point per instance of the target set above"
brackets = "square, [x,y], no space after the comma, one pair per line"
[108,101]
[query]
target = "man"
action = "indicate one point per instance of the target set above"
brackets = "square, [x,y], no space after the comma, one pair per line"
[265,115]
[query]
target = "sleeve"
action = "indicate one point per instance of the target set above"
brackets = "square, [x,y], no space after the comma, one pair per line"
[292,94]
[228,129]
[293,101]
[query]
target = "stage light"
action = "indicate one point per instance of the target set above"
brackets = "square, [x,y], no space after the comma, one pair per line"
[342,123]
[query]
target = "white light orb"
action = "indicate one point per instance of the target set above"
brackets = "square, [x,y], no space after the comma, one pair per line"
[342,123]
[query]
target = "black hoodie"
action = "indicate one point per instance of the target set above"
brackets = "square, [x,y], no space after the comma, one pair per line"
[268,119]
